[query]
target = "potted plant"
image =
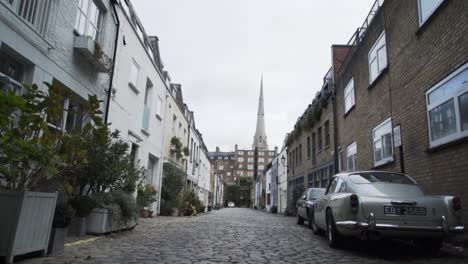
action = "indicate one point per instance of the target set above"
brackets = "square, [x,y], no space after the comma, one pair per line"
[62,218]
[83,205]
[31,157]
[146,195]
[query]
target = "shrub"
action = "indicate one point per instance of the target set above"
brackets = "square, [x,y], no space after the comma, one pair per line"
[118,203]
[63,214]
[146,195]
[83,205]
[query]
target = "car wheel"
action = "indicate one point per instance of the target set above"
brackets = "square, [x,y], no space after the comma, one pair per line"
[300,220]
[334,239]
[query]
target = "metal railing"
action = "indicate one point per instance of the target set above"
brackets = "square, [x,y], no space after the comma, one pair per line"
[356,38]
[34,12]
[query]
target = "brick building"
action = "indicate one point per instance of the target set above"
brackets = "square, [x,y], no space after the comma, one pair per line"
[400,96]
[405,80]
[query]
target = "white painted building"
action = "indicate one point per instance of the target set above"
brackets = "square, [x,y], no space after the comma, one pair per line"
[268,191]
[138,102]
[282,180]
[55,41]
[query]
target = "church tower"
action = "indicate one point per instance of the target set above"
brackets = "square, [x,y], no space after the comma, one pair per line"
[260,138]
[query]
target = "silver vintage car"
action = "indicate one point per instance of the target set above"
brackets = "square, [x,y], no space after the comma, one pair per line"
[377,204]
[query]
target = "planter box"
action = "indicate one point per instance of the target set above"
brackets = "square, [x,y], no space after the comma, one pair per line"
[27,225]
[86,46]
[77,227]
[100,221]
[57,241]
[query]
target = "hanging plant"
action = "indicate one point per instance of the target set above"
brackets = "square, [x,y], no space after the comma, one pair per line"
[186,151]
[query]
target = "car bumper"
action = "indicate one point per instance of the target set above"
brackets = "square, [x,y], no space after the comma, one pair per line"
[373,225]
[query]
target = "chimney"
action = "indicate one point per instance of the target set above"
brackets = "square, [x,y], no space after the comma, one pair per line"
[217,149]
[276,150]
[235,147]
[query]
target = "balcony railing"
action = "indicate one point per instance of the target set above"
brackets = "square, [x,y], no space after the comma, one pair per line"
[146,115]
[361,31]
[36,13]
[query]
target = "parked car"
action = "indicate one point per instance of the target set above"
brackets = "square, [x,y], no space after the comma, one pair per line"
[305,205]
[231,204]
[376,204]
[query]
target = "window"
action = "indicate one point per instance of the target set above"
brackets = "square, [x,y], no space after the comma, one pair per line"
[228,173]
[240,166]
[300,153]
[351,156]
[250,174]
[240,173]
[349,95]
[261,160]
[240,159]
[134,75]
[426,8]
[251,153]
[383,147]
[261,153]
[88,19]
[240,153]
[34,12]
[314,149]
[447,108]
[377,58]
[250,167]
[297,156]
[308,147]
[261,167]
[250,159]
[319,135]
[220,167]
[327,133]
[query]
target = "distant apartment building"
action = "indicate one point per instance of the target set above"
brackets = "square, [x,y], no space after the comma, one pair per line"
[66,43]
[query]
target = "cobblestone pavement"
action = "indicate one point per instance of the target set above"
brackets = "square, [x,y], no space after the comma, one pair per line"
[235,235]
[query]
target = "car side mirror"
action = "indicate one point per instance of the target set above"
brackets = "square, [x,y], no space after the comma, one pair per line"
[304,197]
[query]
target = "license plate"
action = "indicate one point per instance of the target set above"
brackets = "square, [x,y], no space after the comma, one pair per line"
[404,210]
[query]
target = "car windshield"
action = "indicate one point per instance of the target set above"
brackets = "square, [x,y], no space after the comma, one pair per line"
[378,177]
[315,193]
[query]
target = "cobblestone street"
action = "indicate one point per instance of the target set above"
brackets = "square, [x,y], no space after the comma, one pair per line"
[234,236]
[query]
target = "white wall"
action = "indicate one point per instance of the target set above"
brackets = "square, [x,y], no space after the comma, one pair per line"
[126,107]
[282,181]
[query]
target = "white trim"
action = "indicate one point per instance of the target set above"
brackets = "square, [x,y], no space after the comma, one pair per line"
[388,159]
[376,47]
[420,19]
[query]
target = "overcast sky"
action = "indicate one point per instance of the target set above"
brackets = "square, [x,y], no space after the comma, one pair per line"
[218,50]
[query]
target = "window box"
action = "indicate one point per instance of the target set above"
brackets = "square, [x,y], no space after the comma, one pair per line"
[93,53]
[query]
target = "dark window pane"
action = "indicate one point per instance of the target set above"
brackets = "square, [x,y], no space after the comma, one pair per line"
[463,102]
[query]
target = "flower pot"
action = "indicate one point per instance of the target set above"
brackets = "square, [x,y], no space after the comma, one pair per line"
[150,213]
[27,225]
[100,221]
[144,213]
[77,227]
[175,211]
[57,241]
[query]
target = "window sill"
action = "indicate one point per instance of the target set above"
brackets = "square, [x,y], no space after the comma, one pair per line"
[351,109]
[134,88]
[146,132]
[422,27]
[446,145]
[380,76]
[383,163]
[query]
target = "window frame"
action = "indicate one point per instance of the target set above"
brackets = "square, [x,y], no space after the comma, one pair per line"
[379,126]
[420,18]
[352,154]
[349,86]
[455,97]
[130,82]
[86,14]
[377,47]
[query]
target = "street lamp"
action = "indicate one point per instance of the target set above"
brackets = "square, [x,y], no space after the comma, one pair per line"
[283,161]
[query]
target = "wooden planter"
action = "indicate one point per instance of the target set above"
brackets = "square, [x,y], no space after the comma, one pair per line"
[100,221]
[27,225]
[57,241]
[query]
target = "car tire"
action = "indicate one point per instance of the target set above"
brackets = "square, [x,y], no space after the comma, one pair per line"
[300,220]
[334,238]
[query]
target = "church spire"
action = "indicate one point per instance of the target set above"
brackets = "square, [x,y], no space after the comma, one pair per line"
[260,139]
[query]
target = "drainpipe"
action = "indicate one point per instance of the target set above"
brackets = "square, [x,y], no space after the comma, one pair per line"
[335,131]
[116,42]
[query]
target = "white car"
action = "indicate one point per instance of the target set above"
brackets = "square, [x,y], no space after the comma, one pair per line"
[377,204]
[231,204]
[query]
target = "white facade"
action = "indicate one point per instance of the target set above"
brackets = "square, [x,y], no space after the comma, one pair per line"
[138,103]
[282,180]
[218,190]
[39,44]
